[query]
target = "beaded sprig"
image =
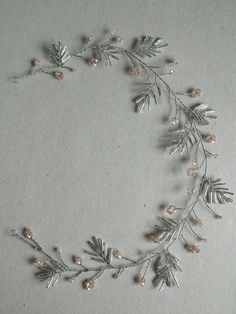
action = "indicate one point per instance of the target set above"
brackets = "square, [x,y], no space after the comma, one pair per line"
[184,138]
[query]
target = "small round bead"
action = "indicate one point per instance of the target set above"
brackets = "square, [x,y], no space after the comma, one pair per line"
[89,284]
[27,233]
[194,161]
[140,281]
[117,39]
[153,237]
[173,61]
[198,222]
[70,279]
[190,191]
[58,75]
[191,172]
[115,275]
[195,93]
[135,71]
[37,262]
[93,61]
[209,138]
[117,254]
[192,248]
[170,209]
[77,259]
[35,62]
[89,39]
[174,121]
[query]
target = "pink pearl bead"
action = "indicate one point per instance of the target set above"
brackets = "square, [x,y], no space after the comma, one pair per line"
[209,138]
[192,248]
[35,62]
[195,93]
[140,281]
[190,191]
[194,162]
[191,172]
[93,61]
[37,262]
[117,39]
[89,284]
[58,75]
[77,259]
[27,233]
[174,121]
[117,254]
[171,209]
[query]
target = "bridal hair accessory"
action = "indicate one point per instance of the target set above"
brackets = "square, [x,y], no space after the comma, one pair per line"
[186,137]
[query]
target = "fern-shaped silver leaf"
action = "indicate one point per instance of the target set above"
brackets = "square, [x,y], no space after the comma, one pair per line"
[213,191]
[50,271]
[200,113]
[165,266]
[182,141]
[107,53]
[100,251]
[59,53]
[146,95]
[148,46]
[168,231]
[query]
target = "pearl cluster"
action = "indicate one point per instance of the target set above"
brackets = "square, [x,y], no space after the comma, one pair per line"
[93,61]
[27,233]
[209,138]
[170,209]
[153,237]
[140,281]
[117,254]
[138,72]
[195,93]
[58,75]
[89,284]
[37,262]
[77,259]
[35,62]
[174,121]
[192,248]
[198,222]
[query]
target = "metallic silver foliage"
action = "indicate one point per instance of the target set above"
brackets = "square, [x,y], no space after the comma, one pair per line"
[59,53]
[107,53]
[200,113]
[182,140]
[148,46]
[214,192]
[165,266]
[168,231]
[145,95]
[100,251]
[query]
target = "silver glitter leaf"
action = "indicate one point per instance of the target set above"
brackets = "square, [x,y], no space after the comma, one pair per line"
[200,113]
[145,95]
[148,46]
[168,231]
[59,53]
[213,191]
[50,271]
[107,53]
[100,251]
[164,268]
[182,141]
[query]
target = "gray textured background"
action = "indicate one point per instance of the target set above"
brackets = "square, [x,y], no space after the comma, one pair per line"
[76,160]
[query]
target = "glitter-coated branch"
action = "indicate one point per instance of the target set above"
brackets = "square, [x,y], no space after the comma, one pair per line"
[185,138]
